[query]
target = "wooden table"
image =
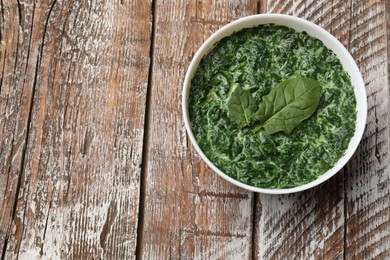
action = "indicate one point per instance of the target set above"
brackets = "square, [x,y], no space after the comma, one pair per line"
[95,161]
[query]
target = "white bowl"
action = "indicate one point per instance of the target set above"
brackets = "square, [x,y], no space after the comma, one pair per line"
[299,25]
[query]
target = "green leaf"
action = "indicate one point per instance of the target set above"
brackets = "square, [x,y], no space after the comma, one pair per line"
[241,106]
[288,104]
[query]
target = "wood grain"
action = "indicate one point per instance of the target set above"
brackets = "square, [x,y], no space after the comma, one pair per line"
[368,179]
[309,224]
[14,103]
[189,212]
[73,93]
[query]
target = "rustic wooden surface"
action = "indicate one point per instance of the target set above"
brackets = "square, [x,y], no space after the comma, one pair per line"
[94,157]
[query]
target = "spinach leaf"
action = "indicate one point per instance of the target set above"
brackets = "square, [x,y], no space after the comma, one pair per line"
[241,106]
[288,104]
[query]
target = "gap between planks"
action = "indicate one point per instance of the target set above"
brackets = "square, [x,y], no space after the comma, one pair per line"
[145,143]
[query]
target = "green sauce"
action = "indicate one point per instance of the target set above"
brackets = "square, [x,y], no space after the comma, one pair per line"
[258,58]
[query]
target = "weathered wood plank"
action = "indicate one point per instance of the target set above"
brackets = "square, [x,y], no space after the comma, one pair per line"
[85,70]
[19,56]
[308,224]
[368,182]
[189,212]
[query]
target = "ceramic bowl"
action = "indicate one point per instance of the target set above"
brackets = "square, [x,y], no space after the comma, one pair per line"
[299,25]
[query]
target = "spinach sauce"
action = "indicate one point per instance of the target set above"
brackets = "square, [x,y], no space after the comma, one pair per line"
[258,59]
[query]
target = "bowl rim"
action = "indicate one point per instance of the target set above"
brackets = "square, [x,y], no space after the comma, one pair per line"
[342,53]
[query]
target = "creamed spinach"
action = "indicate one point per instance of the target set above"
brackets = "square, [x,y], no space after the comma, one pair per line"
[257,60]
